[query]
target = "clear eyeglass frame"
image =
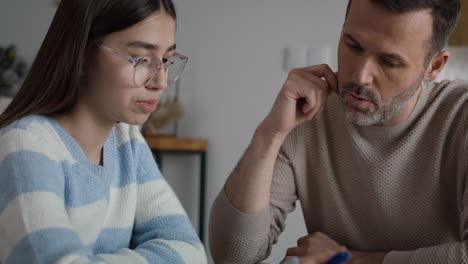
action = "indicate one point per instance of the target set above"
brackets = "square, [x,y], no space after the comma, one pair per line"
[145,68]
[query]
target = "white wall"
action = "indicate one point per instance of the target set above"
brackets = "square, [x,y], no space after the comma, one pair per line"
[457,65]
[235,51]
[25,23]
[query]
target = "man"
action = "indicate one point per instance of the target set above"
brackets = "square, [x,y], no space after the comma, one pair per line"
[376,153]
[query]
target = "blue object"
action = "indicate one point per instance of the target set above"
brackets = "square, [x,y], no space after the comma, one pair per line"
[339,258]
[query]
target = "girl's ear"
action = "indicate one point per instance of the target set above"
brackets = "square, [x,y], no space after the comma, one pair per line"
[88,60]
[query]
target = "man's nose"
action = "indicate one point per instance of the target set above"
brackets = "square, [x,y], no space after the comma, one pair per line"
[364,72]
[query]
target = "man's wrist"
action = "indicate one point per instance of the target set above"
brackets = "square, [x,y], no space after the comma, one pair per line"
[268,137]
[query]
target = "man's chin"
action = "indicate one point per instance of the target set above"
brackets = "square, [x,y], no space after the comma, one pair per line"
[360,118]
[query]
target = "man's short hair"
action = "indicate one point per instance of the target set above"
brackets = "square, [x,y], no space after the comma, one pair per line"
[445,14]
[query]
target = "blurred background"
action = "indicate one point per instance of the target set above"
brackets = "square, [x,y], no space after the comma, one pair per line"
[239,53]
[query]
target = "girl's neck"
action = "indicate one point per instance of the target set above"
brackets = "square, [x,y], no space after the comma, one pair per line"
[88,129]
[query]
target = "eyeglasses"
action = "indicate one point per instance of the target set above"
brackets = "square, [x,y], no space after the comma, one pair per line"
[146,67]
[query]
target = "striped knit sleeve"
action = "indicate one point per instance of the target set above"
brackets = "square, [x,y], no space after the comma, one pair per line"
[162,229]
[34,225]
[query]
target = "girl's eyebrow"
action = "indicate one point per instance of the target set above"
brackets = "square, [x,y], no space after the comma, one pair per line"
[147,46]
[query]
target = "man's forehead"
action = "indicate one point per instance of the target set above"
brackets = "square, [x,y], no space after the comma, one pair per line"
[369,23]
[364,11]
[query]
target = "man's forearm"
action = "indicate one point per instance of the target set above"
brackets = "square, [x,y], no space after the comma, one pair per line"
[248,187]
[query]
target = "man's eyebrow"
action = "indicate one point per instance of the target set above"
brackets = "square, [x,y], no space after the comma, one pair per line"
[392,56]
[348,36]
[147,46]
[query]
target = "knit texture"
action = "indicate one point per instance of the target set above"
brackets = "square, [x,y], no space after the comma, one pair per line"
[58,207]
[399,189]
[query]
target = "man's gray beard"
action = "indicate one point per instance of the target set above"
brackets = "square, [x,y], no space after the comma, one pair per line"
[382,113]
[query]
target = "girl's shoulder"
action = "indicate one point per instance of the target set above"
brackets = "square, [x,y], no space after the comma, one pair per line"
[128,134]
[28,127]
[33,134]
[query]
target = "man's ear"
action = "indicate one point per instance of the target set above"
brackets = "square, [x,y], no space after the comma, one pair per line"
[436,65]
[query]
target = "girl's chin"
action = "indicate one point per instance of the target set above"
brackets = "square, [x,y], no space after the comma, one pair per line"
[137,120]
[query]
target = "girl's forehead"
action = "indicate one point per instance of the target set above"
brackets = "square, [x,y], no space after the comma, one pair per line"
[157,32]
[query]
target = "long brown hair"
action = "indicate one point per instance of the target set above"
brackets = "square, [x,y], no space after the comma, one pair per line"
[53,82]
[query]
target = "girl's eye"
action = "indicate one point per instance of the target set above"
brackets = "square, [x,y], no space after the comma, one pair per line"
[143,60]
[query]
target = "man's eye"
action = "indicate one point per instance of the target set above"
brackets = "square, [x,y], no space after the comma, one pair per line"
[354,47]
[390,63]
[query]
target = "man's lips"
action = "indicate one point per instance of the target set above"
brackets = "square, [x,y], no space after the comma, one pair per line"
[357,101]
[359,97]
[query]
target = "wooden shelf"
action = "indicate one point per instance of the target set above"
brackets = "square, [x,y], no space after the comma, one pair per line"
[459,36]
[170,143]
[162,144]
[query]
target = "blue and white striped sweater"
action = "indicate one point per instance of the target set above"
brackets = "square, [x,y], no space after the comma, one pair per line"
[58,207]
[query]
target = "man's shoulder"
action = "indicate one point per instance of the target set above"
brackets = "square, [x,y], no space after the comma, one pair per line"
[447,88]
[447,96]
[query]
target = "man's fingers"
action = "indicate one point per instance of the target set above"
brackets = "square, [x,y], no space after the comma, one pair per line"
[322,71]
[317,236]
[291,260]
[296,251]
[314,103]
[324,103]
[310,104]
[308,83]
[319,257]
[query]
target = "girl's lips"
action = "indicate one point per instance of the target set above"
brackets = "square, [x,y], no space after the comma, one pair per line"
[148,106]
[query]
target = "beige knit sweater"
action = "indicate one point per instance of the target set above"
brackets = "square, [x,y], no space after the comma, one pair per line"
[400,189]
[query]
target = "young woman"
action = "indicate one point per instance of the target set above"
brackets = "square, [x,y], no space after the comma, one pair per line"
[78,182]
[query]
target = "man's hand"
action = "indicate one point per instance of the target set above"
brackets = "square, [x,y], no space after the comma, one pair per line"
[318,248]
[315,248]
[316,258]
[303,97]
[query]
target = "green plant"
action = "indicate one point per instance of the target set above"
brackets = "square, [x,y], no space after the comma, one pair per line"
[12,71]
